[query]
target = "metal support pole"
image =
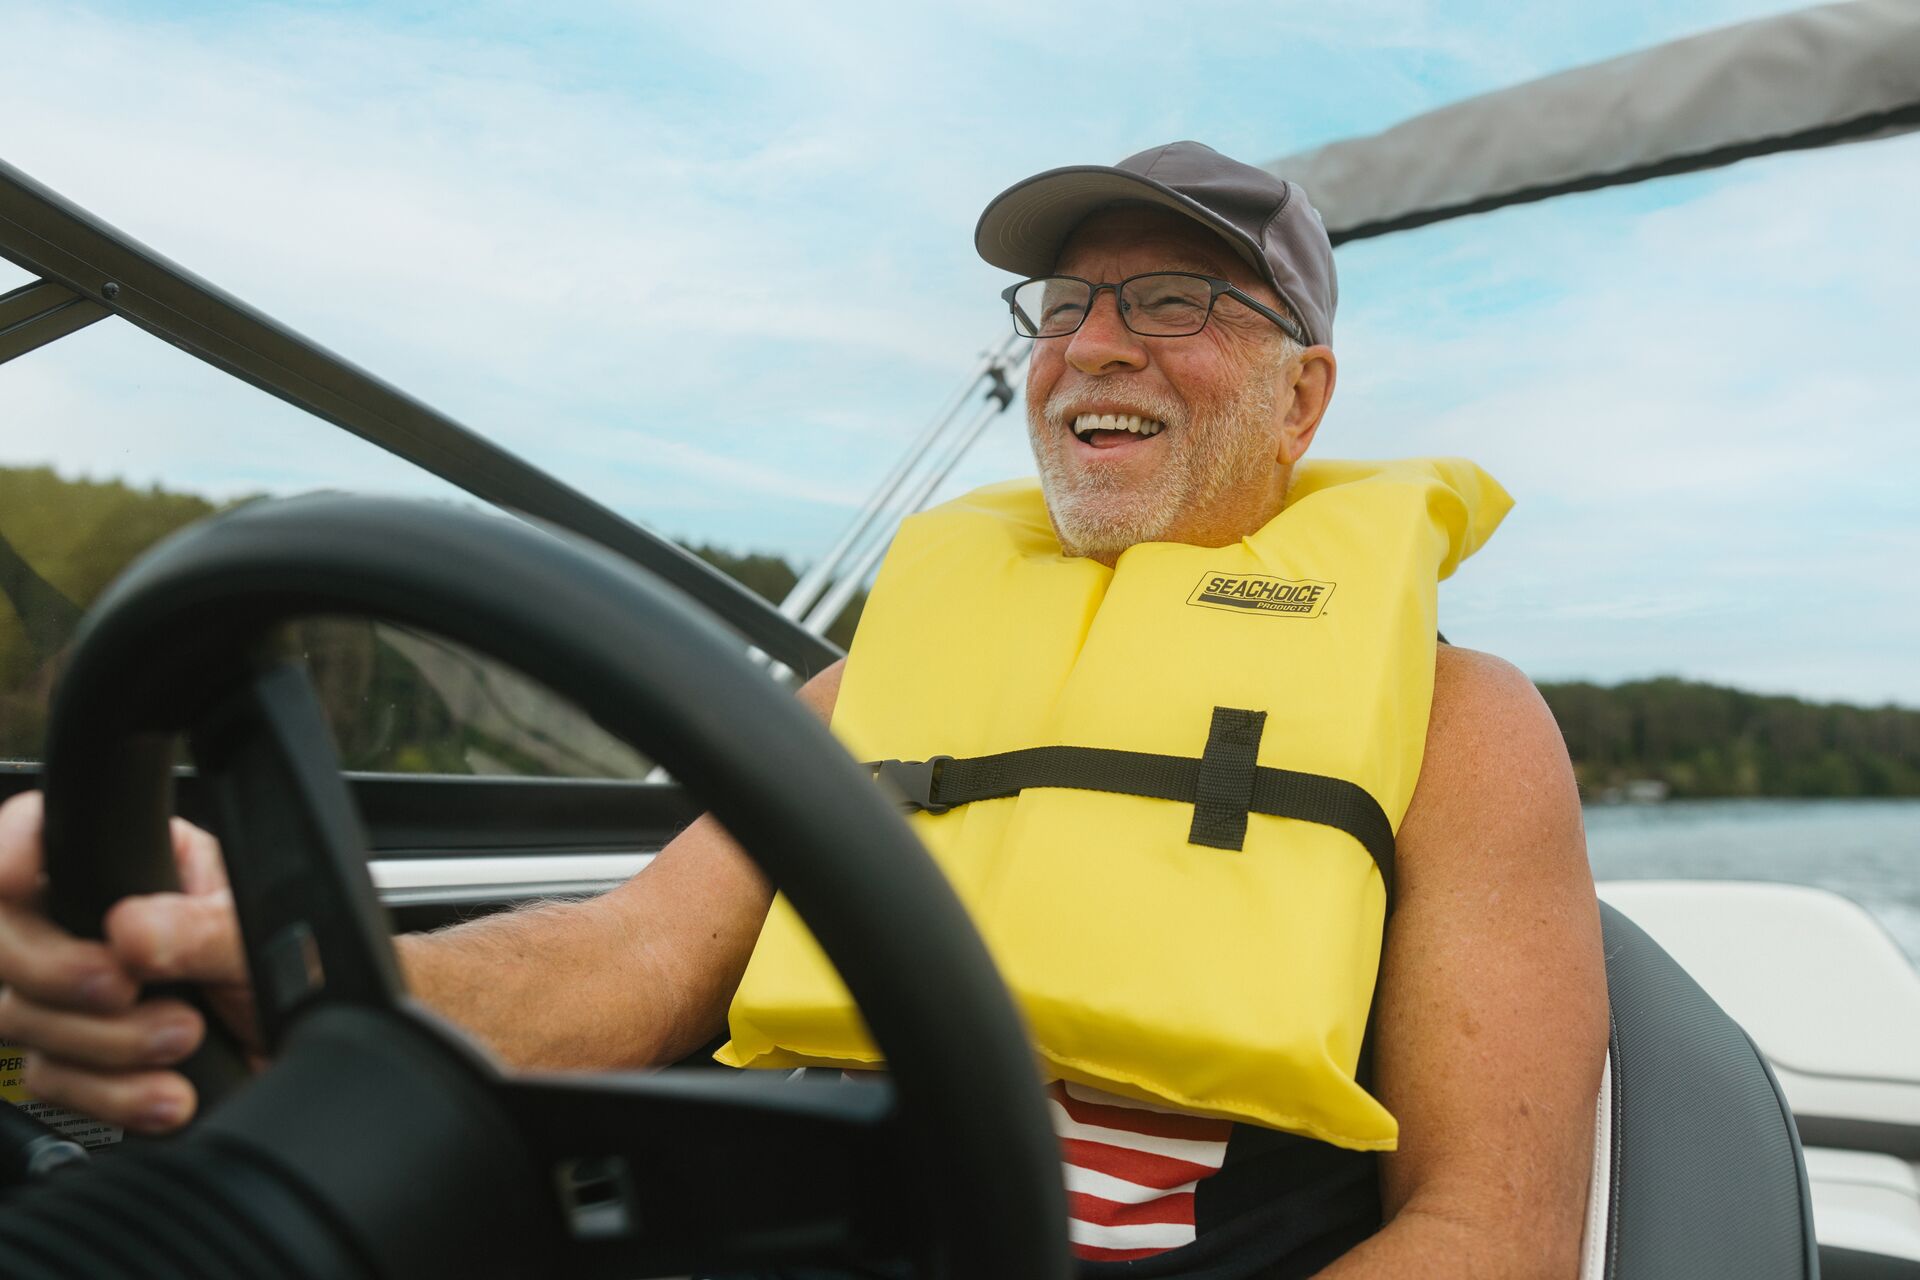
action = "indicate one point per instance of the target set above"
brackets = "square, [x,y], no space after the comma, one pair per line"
[819,575]
[999,395]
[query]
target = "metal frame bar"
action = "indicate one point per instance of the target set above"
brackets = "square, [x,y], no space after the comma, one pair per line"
[51,237]
[422,816]
[41,312]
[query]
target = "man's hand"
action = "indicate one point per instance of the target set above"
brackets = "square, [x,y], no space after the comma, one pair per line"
[637,976]
[92,1043]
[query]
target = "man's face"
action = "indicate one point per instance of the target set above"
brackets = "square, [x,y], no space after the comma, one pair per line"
[1193,445]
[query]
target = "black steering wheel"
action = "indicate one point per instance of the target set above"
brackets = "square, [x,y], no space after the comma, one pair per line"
[379,1143]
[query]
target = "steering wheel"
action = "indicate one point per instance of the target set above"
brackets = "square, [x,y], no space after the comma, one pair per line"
[379,1143]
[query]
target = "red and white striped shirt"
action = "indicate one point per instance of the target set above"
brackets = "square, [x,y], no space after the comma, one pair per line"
[1131,1171]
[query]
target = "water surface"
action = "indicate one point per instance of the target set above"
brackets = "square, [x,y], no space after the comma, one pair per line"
[1868,850]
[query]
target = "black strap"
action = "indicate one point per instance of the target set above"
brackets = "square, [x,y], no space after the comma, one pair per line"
[1223,786]
[1223,794]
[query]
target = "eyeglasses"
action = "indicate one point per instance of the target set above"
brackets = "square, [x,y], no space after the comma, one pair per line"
[1160,304]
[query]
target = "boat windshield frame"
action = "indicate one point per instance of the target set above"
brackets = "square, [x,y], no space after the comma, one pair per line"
[86,271]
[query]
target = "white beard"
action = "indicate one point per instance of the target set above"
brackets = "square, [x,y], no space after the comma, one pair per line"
[1098,511]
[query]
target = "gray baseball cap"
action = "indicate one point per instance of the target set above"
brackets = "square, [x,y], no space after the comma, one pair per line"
[1266,219]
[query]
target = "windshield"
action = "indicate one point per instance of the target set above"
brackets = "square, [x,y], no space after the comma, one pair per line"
[1698,389]
[397,701]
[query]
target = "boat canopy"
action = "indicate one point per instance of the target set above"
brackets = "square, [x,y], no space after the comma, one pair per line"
[1812,78]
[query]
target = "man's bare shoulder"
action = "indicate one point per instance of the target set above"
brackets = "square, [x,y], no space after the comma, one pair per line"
[1471,680]
[1492,747]
[1478,697]
[822,692]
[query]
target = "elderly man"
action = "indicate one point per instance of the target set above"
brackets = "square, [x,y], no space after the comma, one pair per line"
[1180,597]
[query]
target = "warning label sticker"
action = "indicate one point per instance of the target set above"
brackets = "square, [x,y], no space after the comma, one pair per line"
[84,1130]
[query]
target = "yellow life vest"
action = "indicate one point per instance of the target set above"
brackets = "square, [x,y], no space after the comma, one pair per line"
[1150,957]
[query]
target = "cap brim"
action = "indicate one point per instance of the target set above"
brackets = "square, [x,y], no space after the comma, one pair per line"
[1024,228]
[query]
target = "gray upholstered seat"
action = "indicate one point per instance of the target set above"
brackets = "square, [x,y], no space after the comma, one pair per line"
[1698,1172]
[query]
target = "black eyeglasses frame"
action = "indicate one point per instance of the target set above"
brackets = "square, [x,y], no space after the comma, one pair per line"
[1215,283]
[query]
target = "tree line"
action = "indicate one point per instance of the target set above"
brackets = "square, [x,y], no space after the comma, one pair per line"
[397,701]
[409,703]
[1704,740]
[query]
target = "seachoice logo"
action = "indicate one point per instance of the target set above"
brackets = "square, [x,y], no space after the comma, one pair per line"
[1251,593]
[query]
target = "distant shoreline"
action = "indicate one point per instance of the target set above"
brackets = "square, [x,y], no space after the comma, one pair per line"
[1651,740]
[62,540]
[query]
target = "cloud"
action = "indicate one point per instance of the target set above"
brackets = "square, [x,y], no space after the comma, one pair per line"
[1700,398]
[709,264]
[622,296]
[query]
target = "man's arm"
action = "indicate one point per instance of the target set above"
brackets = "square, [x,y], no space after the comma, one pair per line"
[641,974]
[1492,1019]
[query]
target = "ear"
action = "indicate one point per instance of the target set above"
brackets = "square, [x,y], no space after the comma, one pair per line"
[1314,374]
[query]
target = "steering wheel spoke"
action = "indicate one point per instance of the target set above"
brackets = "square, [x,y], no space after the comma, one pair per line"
[296,851]
[662,1173]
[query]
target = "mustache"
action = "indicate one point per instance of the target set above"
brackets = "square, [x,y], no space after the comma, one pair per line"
[1063,407]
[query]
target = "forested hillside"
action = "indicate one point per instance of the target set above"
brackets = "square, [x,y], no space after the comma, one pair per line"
[396,701]
[61,542]
[441,710]
[1706,740]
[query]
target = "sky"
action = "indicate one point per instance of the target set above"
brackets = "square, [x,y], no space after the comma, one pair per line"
[712,264]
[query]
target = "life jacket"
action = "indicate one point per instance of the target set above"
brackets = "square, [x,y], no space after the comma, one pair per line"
[1168,934]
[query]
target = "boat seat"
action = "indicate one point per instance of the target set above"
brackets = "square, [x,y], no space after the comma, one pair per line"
[1698,1171]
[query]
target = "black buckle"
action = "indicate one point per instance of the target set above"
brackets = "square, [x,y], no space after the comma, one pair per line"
[913,781]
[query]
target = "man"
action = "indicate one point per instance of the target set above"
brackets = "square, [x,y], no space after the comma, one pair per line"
[1173,392]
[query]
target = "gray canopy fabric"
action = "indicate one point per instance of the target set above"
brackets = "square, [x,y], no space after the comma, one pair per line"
[1837,73]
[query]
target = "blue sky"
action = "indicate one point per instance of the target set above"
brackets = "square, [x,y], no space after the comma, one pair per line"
[713,265]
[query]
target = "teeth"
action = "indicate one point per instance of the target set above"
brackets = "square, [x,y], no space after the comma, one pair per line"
[1091,422]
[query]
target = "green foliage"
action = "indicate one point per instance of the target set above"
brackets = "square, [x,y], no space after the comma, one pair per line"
[397,703]
[61,542]
[1707,740]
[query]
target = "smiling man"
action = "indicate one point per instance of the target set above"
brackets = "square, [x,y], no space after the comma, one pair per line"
[1295,902]
[1200,755]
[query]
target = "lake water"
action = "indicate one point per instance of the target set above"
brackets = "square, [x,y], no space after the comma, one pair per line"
[1868,850]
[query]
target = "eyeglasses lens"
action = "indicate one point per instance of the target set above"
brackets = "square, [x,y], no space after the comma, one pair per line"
[1163,305]
[1166,305]
[1050,307]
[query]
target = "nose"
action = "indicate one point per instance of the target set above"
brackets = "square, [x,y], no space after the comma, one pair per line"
[1103,343]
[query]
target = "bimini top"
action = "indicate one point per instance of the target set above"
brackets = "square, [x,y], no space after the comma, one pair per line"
[1836,73]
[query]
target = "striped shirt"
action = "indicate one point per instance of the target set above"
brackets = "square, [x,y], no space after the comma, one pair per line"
[1144,1180]
[1131,1171]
